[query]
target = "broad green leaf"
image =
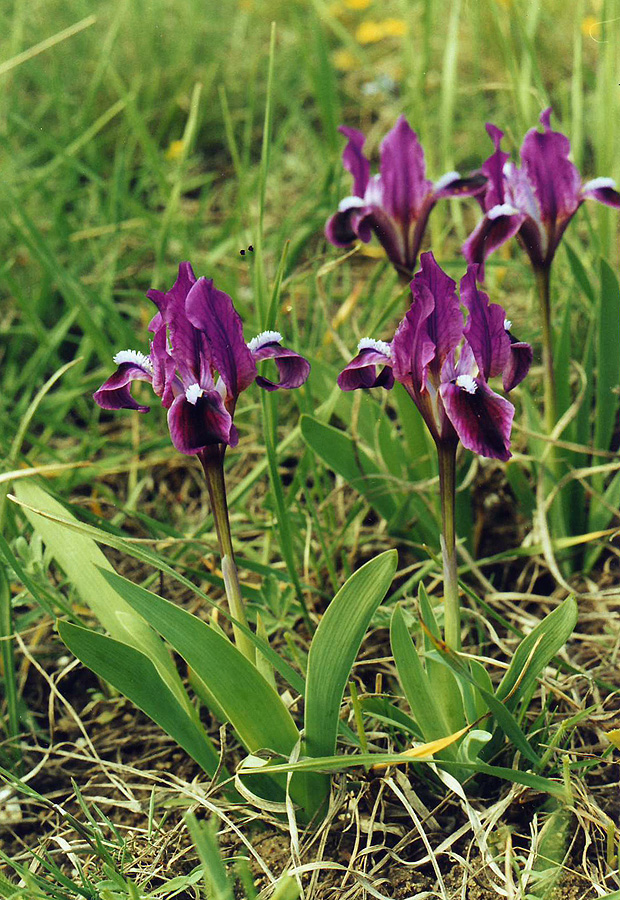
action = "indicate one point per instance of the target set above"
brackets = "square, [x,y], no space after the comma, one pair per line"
[62,518]
[134,675]
[425,703]
[607,358]
[82,561]
[422,455]
[439,675]
[250,704]
[342,455]
[536,651]
[335,645]
[502,714]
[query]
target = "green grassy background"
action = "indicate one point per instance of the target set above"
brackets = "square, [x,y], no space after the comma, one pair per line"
[99,202]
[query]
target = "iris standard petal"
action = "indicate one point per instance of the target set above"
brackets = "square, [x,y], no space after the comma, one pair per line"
[212,312]
[199,424]
[444,322]
[485,331]
[412,347]
[554,178]
[115,393]
[354,160]
[166,384]
[481,418]
[403,172]
[493,168]
[178,291]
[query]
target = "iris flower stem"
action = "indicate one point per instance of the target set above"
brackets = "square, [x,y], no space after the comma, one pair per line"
[543,279]
[447,489]
[212,460]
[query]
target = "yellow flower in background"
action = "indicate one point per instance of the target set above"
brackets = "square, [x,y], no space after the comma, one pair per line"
[357,4]
[175,150]
[394,28]
[369,31]
[344,60]
[591,27]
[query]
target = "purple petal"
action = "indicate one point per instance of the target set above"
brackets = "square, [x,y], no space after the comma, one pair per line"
[412,348]
[403,179]
[603,190]
[518,365]
[361,372]
[212,312]
[554,178]
[392,237]
[481,418]
[444,324]
[498,225]
[115,393]
[166,384]
[354,160]
[485,331]
[179,291]
[493,168]
[453,185]
[339,229]
[293,368]
[194,426]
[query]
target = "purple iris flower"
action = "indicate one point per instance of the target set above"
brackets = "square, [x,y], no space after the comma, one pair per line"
[396,203]
[196,334]
[537,200]
[445,364]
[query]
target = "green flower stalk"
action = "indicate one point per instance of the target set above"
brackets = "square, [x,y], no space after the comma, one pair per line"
[198,366]
[445,363]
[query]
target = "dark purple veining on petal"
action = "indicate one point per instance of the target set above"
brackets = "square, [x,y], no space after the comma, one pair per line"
[485,331]
[481,418]
[292,368]
[212,312]
[115,393]
[194,426]
[361,372]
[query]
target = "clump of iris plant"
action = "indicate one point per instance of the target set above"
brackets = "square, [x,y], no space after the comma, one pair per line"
[396,203]
[445,364]
[197,334]
[535,202]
